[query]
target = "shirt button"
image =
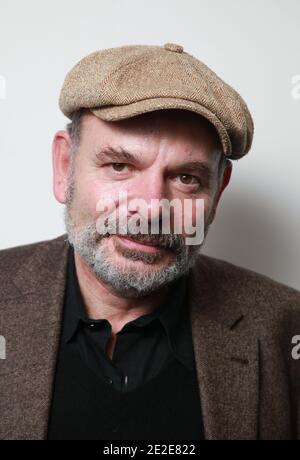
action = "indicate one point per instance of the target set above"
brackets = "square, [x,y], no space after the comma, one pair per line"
[108,380]
[92,325]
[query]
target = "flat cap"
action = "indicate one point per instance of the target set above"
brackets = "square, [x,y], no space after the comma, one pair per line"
[123,82]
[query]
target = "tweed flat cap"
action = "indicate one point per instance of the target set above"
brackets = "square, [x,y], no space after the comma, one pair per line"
[123,82]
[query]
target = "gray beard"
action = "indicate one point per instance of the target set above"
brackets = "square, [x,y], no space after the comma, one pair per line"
[133,282]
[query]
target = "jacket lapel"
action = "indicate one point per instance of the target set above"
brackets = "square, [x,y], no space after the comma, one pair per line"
[27,373]
[226,364]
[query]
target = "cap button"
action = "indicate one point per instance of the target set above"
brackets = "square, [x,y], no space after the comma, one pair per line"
[173,47]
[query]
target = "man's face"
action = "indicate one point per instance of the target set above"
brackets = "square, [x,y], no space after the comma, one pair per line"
[161,155]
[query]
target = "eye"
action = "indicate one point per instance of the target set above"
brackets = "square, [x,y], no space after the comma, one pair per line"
[118,167]
[188,179]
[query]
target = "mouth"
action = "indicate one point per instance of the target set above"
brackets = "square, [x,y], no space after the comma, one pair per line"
[138,245]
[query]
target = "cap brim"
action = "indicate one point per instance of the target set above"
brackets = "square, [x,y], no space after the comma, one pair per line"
[121,112]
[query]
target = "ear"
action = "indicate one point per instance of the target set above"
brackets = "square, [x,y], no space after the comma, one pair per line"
[225,181]
[61,147]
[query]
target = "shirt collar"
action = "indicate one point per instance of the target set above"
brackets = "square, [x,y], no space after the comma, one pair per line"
[173,314]
[74,305]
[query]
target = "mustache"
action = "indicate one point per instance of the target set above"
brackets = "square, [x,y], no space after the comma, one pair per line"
[164,240]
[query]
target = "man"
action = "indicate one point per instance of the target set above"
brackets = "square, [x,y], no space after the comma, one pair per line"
[117,334]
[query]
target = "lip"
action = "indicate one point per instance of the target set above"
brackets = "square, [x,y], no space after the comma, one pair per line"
[130,243]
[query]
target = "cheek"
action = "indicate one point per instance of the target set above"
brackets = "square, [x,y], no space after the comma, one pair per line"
[194,214]
[86,196]
[94,194]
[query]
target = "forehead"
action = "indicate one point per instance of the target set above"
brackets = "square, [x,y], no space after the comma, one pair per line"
[169,130]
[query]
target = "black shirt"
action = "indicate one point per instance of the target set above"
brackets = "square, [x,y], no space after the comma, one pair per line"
[142,346]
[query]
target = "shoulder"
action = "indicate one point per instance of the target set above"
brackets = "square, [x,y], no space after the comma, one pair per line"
[244,281]
[16,254]
[231,288]
[28,260]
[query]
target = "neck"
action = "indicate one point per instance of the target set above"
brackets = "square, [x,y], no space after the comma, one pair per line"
[102,302]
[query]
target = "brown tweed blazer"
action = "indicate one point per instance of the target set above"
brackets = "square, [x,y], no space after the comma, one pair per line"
[242,325]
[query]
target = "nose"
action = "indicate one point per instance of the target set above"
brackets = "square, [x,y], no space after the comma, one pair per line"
[148,197]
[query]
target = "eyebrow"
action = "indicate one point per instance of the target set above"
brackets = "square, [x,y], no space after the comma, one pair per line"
[122,155]
[116,153]
[195,166]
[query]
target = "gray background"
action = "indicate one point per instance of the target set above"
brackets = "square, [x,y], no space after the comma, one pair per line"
[254,45]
